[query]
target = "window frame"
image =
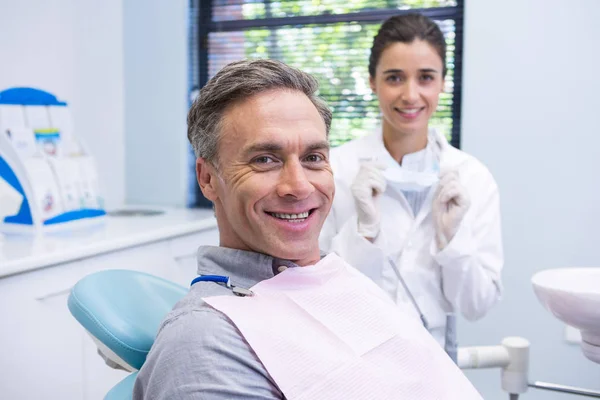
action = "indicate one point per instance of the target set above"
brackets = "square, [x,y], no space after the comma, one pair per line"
[205,25]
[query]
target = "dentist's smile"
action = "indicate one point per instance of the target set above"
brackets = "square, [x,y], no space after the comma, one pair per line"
[409,113]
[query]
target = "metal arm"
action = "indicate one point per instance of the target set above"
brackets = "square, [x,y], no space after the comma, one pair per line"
[565,389]
[512,356]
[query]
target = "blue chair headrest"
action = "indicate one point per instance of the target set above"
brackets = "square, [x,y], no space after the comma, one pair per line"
[123,310]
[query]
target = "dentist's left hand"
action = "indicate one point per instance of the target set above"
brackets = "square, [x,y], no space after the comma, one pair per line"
[450,204]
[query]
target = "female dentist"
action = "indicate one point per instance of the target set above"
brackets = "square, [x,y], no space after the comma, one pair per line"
[418,216]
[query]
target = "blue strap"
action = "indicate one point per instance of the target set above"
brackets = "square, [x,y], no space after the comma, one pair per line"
[212,278]
[238,291]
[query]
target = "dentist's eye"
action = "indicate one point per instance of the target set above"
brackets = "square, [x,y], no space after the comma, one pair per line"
[393,79]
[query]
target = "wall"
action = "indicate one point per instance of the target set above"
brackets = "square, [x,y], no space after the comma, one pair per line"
[73,50]
[156,101]
[530,112]
[122,67]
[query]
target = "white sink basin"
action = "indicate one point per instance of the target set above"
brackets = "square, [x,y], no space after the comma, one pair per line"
[573,296]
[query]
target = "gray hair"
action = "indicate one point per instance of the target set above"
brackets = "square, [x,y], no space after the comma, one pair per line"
[238,81]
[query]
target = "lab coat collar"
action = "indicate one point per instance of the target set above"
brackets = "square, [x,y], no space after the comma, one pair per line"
[450,157]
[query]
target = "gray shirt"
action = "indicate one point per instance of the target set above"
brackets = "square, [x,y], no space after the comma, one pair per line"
[198,352]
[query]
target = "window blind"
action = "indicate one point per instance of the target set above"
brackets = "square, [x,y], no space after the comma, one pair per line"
[331,39]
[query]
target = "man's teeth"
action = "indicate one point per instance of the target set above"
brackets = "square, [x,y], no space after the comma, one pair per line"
[291,216]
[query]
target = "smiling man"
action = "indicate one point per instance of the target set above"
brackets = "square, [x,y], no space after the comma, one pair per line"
[306,327]
[260,136]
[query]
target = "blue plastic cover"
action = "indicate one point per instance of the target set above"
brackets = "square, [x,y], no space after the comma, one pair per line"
[29,97]
[74,215]
[23,217]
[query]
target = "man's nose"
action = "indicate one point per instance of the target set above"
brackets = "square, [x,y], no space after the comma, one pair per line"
[293,181]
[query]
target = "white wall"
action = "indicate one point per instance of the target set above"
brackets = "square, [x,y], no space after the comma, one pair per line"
[74,50]
[122,67]
[530,112]
[156,101]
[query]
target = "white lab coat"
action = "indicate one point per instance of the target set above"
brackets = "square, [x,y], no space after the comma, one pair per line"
[463,277]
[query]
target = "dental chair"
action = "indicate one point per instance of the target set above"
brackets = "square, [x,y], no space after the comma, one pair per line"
[124,337]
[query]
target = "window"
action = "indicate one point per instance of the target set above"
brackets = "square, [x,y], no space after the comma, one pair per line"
[331,39]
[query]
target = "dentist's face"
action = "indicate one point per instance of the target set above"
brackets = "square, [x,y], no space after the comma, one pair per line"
[408,81]
[274,186]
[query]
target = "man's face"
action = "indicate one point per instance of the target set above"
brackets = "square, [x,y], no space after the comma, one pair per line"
[274,186]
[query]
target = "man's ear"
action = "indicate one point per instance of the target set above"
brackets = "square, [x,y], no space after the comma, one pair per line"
[207,179]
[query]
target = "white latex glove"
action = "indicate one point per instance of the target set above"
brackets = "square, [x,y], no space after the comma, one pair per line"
[368,185]
[450,204]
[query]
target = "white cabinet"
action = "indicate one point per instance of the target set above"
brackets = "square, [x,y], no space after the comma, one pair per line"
[44,352]
[184,250]
[41,342]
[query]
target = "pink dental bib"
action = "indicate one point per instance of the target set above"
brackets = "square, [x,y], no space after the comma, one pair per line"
[328,332]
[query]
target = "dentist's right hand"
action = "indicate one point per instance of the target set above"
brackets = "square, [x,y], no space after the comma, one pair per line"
[366,189]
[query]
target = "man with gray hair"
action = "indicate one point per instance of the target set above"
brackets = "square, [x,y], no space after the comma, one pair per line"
[260,136]
[306,327]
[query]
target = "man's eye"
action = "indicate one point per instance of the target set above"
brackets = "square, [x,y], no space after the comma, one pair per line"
[263,160]
[313,158]
[393,78]
[427,78]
